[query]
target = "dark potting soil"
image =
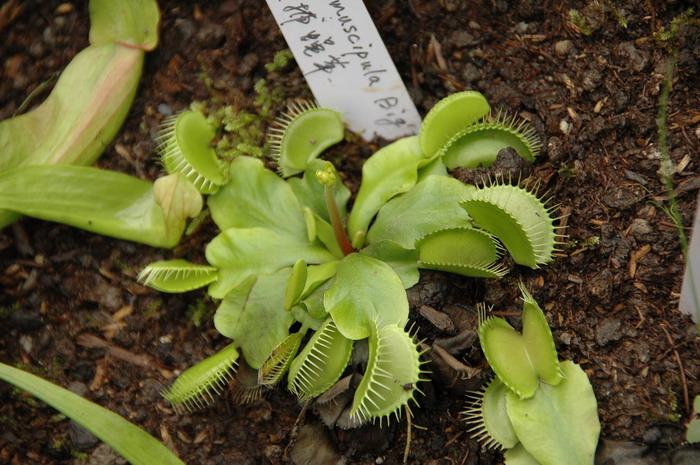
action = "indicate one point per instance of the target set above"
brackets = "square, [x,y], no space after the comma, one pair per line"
[72,311]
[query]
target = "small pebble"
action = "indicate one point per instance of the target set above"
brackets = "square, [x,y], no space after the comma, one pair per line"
[64,8]
[165,109]
[564,127]
[26,343]
[562,47]
[608,331]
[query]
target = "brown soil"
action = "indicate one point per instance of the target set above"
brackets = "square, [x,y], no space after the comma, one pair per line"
[81,320]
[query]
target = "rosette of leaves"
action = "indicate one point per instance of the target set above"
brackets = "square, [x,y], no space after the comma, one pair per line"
[299,287]
[539,410]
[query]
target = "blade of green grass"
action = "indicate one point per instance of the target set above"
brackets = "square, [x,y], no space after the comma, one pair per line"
[133,443]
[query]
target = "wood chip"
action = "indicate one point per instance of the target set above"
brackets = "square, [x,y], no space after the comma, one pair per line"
[437,319]
[91,341]
[64,8]
[436,50]
[98,378]
[122,313]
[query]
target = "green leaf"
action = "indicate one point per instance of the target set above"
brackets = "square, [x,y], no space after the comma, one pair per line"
[133,443]
[693,432]
[255,197]
[302,134]
[238,253]
[559,425]
[252,315]
[317,275]
[105,202]
[431,205]
[520,361]
[323,232]
[488,419]
[449,116]
[392,375]
[403,261]
[392,170]
[196,386]
[478,144]
[133,22]
[518,218]
[310,192]
[278,362]
[539,340]
[320,364]
[365,292]
[81,116]
[184,146]
[519,456]
[295,284]
[465,250]
[312,304]
[176,276]
[91,99]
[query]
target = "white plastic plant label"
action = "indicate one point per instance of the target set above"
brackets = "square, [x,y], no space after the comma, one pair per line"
[347,65]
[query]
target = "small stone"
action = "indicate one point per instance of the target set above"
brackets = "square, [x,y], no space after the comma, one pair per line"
[210,35]
[642,230]
[624,453]
[64,8]
[313,446]
[81,438]
[26,343]
[25,320]
[470,73]
[564,127]
[273,453]
[562,47]
[79,388]
[632,57]
[521,27]
[105,455]
[565,338]
[687,454]
[555,148]
[165,109]
[621,199]
[462,38]
[608,331]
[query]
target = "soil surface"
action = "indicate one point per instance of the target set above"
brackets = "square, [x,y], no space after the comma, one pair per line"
[73,312]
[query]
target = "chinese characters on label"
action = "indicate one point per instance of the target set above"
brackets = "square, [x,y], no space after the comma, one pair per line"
[347,65]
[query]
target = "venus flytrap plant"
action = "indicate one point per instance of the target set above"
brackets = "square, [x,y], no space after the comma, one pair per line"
[285,264]
[302,134]
[184,147]
[539,410]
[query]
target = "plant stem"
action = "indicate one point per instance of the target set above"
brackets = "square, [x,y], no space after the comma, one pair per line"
[666,163]
[337,222]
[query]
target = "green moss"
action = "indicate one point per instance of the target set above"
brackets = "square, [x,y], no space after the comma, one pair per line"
[581,23]
[593,16]
[671,39]
[280,61]
[200,311]
[9,310]
[153,308]
[242,131]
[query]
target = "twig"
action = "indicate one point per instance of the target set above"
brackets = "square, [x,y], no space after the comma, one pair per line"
[90,341]
[684,384]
